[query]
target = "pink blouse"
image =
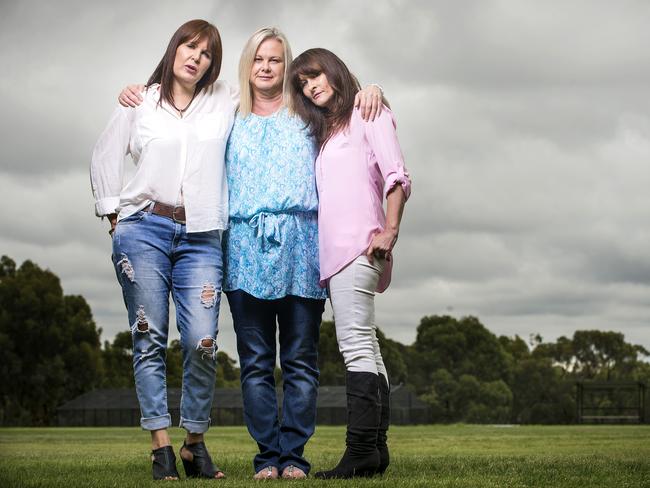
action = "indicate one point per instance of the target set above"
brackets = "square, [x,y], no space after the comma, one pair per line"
[355,170]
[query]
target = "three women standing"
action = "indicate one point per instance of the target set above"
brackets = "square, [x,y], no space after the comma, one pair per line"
[271,258]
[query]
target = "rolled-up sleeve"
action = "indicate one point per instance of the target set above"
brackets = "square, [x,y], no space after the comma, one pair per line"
[107,162]
[382,137]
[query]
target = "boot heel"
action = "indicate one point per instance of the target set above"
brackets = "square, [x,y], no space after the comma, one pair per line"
[189,468]
[201,465]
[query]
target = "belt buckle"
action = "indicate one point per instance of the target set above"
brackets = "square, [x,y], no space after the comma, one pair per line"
[180,221]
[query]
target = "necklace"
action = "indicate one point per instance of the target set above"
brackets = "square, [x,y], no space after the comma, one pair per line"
[181,111]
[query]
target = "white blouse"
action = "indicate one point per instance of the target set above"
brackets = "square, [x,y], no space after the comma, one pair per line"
[179,160]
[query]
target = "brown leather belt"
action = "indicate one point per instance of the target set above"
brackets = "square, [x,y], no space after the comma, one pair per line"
[177,214]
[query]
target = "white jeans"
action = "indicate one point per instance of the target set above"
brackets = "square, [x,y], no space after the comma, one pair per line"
[352,293]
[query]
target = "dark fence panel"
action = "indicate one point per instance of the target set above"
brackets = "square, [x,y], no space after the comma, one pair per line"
[113,408]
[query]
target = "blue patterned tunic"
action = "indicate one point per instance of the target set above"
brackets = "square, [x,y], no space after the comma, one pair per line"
[271,247]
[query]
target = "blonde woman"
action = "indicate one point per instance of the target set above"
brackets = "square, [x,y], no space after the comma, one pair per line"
[271,257]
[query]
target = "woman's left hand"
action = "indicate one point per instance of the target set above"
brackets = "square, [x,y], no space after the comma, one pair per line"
[369,101]
[381,245]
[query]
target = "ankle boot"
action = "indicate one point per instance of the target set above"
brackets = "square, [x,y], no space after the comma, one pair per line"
[361,457]
[384,421]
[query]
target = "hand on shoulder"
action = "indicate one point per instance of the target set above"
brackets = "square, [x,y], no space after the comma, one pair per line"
[131,96]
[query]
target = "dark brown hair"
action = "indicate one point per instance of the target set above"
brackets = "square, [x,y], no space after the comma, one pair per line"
[164,73]
[323,122]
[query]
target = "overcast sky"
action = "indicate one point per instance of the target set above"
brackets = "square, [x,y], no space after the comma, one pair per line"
[524,124]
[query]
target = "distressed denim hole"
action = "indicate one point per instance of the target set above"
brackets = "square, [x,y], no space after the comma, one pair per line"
[126,268]
[207,347]
[141,323]
[208,295]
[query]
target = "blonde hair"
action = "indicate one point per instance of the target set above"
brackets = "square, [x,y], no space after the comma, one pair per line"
[246,64]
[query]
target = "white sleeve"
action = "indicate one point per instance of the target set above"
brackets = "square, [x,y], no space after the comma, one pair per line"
[234,94]
[107,163]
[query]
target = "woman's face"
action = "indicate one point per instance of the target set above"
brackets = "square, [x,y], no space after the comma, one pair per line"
[317,90]
[192,61]
[267,73]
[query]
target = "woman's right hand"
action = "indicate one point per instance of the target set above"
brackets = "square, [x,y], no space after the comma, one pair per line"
[130,96]
[112,218]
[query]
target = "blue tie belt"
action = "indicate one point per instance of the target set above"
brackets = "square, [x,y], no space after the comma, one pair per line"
[267,229]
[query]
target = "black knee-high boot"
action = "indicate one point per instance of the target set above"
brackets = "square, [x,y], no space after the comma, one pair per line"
[361,457]
[384,421]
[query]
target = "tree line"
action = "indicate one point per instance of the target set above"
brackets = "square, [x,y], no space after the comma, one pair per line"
[468,374]
[52,353]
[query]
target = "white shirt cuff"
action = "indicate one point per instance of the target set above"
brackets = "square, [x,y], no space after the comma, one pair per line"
[106,206]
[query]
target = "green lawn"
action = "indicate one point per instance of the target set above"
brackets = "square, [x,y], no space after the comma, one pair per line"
[431,456]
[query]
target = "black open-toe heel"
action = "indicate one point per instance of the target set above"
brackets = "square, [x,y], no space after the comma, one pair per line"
[163,463]
[201,465]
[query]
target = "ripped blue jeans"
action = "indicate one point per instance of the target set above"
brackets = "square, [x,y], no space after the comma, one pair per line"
[153,257]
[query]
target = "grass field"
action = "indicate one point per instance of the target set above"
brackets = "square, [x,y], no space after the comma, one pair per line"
[432,456]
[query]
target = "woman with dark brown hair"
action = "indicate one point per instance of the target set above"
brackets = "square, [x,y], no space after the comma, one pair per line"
[359,163]
[166,223]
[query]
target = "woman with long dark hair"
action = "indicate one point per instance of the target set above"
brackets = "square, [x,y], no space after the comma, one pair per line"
[359,163]
[166,223]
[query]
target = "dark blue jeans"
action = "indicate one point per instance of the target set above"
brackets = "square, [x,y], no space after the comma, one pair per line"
[282,441]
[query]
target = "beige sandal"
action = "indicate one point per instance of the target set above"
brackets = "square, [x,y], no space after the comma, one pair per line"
[268,473]
[292,472]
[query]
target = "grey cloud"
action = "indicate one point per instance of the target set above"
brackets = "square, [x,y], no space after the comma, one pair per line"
[524,125]
[501,45]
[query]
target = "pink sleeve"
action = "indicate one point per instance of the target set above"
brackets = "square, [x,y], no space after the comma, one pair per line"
[382,137]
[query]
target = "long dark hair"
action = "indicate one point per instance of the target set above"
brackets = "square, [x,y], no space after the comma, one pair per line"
[164,72]
[323,122]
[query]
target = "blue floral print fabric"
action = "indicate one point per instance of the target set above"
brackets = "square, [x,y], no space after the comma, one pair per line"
[271,246]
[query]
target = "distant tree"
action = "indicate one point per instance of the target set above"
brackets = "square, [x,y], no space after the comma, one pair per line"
[543,383]
[594,354]
[118,362]
[516,347]
[541,392]
[50,345]
[227,371]
[467,399]
[462,346]
[441,396]
[492,402]
[604,354]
